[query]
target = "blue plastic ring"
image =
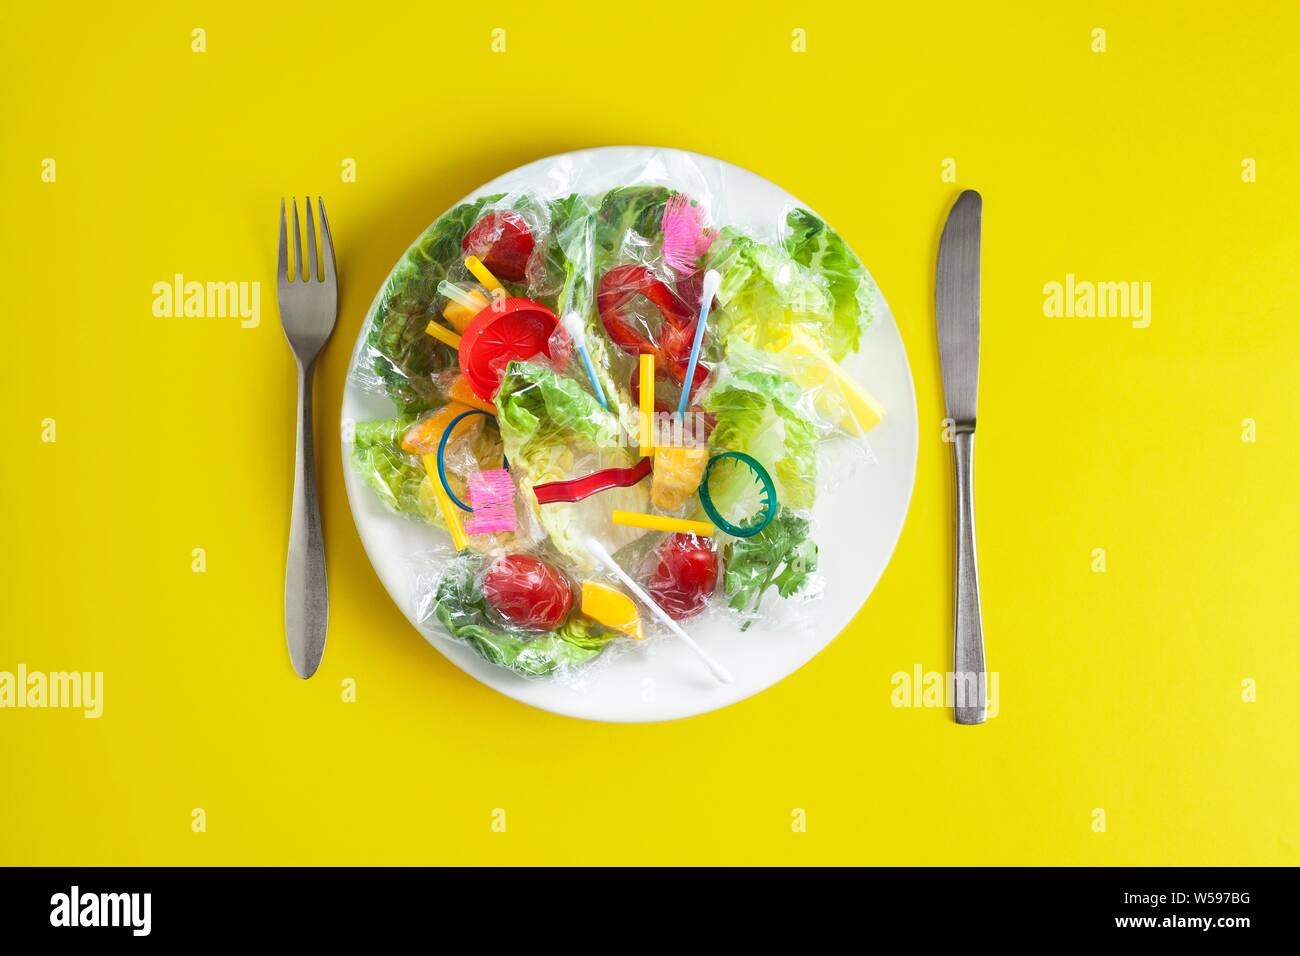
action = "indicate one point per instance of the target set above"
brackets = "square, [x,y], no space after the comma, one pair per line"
[442,448]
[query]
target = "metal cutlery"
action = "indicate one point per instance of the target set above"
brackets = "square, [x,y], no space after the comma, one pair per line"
[957,314]
[308,301]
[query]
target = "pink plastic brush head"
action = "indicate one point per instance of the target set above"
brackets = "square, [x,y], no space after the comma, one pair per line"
[492,496]
[685,238]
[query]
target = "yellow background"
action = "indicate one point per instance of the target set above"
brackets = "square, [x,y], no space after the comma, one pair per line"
[1119,690]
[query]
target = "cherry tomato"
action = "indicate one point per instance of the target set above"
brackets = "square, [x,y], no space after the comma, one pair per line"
[503,243]
[685,576]
[527,592]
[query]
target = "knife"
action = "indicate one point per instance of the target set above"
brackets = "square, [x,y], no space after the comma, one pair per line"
[957,314]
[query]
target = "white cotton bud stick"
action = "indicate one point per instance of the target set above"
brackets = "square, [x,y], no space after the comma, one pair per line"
[599,552]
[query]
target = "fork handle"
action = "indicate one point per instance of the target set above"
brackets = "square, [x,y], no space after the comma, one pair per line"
[306,595]
[969,684]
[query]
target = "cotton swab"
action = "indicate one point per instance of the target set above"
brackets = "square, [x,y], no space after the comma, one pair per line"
[711,282]
[573,325]
[597,551]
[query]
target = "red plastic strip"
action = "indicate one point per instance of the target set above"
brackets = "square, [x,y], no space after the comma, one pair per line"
[575,489]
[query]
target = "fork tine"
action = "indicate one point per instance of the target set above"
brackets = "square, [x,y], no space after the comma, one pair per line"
[282,259]
[297,244]
[312,274]
[326,244]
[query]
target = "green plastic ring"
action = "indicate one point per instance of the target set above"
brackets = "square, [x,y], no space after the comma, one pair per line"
[754,525]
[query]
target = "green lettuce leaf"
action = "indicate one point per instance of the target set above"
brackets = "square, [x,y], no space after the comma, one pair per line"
[458,604]
[780,556]
[568,249]
[403,356]
[538,407]
[572,255]
[629,214]
[764,293]
[554,429]
[396,477]
[758,412]
[816,245]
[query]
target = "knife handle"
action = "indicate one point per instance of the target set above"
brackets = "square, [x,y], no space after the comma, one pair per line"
[970,683]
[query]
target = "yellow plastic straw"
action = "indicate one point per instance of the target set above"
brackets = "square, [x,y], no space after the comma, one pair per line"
[450,514]
[480,272]
[443,334]
[635,519]
[645,431]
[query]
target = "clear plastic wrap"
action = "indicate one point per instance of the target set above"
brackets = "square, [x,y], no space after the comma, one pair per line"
[514,610]
[511,339]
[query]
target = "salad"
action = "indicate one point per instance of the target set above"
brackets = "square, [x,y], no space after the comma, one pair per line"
[608,407]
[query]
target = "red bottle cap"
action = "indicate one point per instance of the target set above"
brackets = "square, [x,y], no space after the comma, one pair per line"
[515,329]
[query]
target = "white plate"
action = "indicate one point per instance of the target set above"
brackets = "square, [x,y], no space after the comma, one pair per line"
[857,522]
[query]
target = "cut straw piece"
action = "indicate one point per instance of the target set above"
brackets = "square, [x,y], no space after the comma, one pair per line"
[636,519]
[646,422]
[480,272]
[448,510]
[466,299]
[444,335]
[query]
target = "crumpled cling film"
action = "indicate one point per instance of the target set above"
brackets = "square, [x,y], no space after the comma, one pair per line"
[617,257]
[454,595]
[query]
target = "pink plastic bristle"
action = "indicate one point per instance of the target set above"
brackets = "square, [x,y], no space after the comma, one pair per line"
[492,495]
[685,238]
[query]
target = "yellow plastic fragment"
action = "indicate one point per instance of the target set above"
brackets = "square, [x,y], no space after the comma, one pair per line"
[444,335]
[677,473]
[480,272]
[462,305]
[859,412]
[635,519]
[424,436]
[646,422]
[460,391]
[450,514]
[611,607]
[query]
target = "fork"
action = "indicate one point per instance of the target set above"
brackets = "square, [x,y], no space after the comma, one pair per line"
[309,307]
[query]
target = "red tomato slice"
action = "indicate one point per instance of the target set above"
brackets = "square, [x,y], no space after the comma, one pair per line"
[676,332]
[616,289]
[515,329]
[503,243]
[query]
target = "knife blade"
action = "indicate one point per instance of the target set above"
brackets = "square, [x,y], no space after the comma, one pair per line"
[957,315]
[957,307]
